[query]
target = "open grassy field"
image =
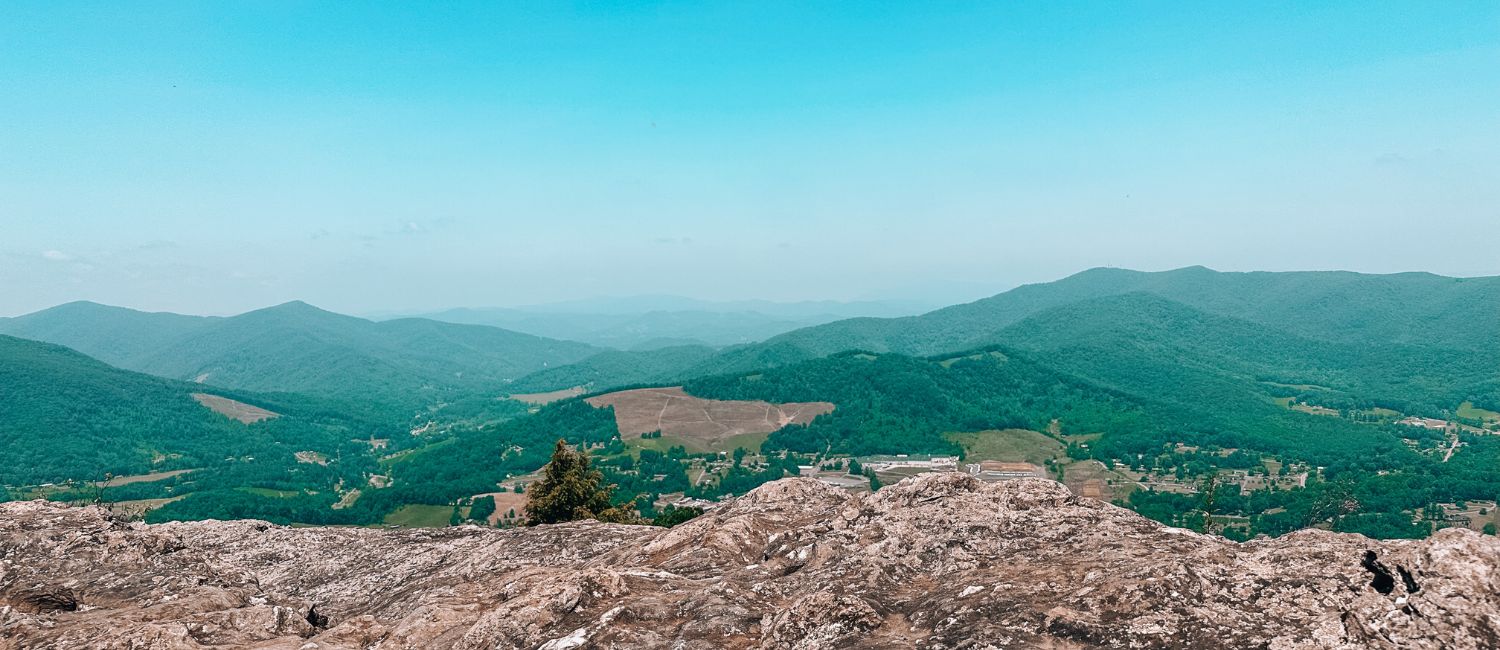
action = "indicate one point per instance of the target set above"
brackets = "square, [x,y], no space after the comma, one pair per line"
[420,516]
[1312,409]
[709,425]
[1469,411]
[751,442]
[234,410]
[1010,445]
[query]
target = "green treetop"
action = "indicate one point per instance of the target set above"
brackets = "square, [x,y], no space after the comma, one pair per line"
[571,489]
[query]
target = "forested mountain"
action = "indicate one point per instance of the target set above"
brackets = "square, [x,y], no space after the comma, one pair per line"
[1390,325]
[64,416]
[890,403]
[296,347]
[114,335]
[616,368]
[1120,340]
[1408,308]
[1189,405]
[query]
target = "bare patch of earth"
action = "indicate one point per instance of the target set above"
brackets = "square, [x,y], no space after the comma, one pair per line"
[234,410]
[548,397]
[677,414]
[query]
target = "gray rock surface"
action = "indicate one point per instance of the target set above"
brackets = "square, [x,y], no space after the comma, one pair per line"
[936,561]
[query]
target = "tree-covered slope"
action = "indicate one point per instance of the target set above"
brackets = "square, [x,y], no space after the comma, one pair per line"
[614,368]
[1407,308]
[1457,320]
[1419,309]
[114,335]
[66,416]
[890,403]
[1119,340]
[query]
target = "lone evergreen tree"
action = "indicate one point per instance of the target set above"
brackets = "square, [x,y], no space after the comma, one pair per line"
[571,490]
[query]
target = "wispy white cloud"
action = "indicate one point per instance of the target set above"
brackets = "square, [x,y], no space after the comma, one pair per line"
[57,256]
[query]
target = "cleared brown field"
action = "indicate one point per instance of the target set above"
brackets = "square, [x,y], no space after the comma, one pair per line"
[139,507]
[234,410]
[142,478]
[506,502]
[677,414]
[548,397]
[1091,479]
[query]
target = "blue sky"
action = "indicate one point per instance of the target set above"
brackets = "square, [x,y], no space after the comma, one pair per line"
[216,157]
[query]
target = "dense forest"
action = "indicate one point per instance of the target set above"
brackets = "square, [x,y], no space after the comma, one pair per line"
[890,403]
[66,416]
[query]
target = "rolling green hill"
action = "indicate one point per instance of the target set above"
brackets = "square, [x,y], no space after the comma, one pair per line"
[1163,390]
[615,368]
[296,347]
[1115,340]
[1408,308]
[115,335]
[66,416]
[890,403]
[1412,338]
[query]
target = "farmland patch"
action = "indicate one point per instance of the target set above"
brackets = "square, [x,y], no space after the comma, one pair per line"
[707,422]
[234,410]
[1010,445]
[538,399]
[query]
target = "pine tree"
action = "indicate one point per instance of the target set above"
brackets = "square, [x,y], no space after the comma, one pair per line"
[571,490]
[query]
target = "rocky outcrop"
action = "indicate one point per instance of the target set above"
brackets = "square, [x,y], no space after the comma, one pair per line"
[937,561]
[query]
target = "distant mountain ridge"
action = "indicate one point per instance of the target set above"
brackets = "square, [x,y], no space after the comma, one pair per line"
[644,322]
[1327,305]
[1453,318]
[295,347]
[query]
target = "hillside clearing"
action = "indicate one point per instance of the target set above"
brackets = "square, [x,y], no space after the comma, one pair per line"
[1469,411]
[538,399]
[1090,478]
[505,502]
[420,516]
[1010,445]
[707,422]
[142,478]
[234,410]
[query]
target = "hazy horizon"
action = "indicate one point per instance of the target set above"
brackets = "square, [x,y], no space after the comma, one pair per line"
[579,305]
[214,159]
